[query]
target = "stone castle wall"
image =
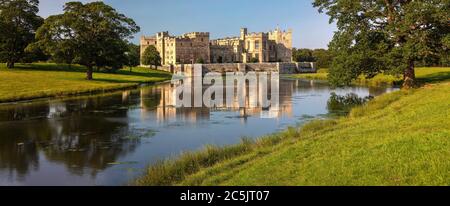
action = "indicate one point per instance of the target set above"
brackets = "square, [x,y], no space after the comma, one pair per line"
[195,47]
[186,49]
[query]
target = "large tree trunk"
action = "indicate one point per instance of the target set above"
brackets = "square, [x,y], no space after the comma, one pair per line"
[409,76]
[10,65]
[89,73]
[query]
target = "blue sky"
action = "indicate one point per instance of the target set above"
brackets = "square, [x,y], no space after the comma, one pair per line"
[221,17]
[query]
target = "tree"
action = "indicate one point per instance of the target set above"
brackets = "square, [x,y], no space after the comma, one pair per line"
[322,57]
[254,60]
[385,36]
[92,35]
[151,57]
[133,55]
[303,55]
[200,61]
[18,23]
[34,55]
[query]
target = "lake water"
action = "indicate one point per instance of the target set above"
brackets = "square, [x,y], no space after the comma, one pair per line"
[110,139]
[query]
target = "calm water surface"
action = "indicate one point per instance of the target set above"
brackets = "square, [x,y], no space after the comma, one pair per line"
[110,139]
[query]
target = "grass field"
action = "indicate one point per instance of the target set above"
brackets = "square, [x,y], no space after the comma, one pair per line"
[30,81]
[424,75]
[401,138]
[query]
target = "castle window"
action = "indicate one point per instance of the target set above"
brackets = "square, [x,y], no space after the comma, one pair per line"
[256,44]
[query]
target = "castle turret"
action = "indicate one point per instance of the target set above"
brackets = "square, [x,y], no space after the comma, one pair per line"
[243,33]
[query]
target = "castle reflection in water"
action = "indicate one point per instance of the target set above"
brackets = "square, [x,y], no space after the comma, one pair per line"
[168,111]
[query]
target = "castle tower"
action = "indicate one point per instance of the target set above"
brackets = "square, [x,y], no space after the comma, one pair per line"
[243,33]
[145,42]
[161,44]
[287,37]
[283,40]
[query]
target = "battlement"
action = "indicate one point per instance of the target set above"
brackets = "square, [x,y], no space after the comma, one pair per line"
[278,30]
[256,34]
[193,35]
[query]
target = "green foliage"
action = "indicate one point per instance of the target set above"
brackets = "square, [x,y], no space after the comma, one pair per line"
[18,23]
[341,105]
[303,55]
[133,55]
[151,56]
[385,36]
[322,57]
[92,34]
[200,61]
[34,54]
[423,75]
[254,60]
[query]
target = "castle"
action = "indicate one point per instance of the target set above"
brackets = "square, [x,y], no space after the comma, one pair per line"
[196,47]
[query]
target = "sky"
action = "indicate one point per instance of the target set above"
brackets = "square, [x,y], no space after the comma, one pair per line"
[222,18]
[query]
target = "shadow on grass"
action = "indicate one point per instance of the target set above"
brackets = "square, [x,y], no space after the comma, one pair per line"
[121,81]
[51,67]
[149,73]
[138,72]
[434,78]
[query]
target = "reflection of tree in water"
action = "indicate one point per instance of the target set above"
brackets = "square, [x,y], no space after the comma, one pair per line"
[82,134]
[377,91]
[16,155]
[339,105]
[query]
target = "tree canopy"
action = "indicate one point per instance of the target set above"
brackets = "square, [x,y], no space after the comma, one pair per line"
[133,55]
[303,55]
[385,36]
[151,56]
[18,24]
[322,57]
[92,34]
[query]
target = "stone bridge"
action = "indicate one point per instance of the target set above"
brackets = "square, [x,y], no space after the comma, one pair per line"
[282,68]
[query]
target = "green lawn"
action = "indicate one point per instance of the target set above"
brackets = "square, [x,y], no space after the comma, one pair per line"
[401,138]
[424,75]
[29,81]
[322,74]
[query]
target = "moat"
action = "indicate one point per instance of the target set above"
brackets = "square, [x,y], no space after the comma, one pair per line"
[110,139]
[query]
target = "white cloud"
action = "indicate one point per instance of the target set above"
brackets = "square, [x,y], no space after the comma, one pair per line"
[51,7]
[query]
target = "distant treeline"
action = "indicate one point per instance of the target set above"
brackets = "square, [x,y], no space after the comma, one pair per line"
[322,57]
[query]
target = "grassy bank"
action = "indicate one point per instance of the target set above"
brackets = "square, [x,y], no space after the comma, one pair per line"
[322,74]
[424,75]
[401,138]
[30,81]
